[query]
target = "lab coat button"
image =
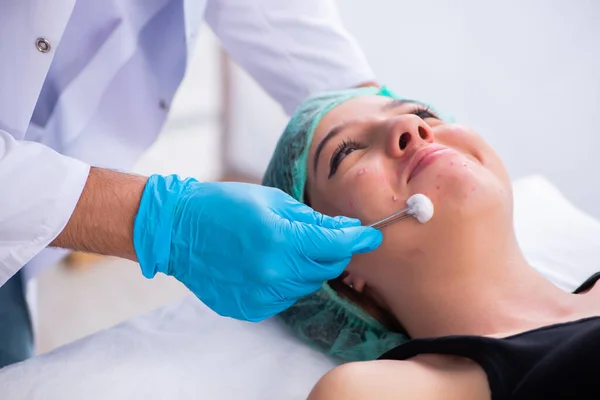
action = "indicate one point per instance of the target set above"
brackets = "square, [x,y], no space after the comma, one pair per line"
[43,45]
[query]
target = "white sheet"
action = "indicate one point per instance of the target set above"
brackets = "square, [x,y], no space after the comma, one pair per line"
[183,351]
[558,239]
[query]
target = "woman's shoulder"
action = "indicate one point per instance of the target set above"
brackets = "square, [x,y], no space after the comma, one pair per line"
[424,377]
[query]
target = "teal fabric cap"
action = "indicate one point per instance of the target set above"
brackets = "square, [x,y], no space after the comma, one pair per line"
[323,319]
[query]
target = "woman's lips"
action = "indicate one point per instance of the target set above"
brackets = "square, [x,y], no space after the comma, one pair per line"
[425,157]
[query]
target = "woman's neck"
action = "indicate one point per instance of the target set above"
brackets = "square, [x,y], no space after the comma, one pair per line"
[483,288]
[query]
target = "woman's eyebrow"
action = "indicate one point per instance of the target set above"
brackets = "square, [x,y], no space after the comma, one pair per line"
[396,103]
[330,135]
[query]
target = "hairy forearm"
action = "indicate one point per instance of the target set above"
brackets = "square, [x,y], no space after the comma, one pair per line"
[103,220]
[369,84]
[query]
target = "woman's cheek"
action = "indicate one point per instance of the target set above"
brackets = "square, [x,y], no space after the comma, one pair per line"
[368,195]
[351,206]
[352,195]
[355,201]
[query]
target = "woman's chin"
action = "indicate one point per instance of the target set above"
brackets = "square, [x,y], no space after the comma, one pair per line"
[460,192]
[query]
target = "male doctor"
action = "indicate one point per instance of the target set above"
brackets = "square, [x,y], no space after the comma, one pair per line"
[85,88]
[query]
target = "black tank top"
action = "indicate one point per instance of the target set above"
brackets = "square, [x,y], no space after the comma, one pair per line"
[560,361]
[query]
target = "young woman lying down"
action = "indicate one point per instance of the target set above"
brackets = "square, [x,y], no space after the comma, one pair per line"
[449,309]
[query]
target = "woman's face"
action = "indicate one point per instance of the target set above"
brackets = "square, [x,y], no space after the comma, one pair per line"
[371,153]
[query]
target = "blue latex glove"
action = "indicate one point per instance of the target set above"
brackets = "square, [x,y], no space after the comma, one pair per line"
[246,251]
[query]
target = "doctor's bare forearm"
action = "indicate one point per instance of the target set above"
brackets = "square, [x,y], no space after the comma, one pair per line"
[367,84]
[103,219]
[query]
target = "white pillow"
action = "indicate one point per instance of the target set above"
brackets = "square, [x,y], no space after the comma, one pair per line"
[558,239]
[184,351]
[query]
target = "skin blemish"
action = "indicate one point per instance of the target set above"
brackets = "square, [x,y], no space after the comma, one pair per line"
[351,205]
[361,171]
[394,198]
[438,187]
[439,176]
[464,163]
[382,179]
[452,163]
[473,188]
[416,251]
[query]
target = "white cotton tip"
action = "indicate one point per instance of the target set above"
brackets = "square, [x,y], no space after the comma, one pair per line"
[420,207]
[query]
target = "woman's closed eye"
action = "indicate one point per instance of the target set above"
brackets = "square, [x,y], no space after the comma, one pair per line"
[344,149]
[424,112]
[348,146]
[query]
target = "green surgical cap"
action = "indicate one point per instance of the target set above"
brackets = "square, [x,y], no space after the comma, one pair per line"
[332,324]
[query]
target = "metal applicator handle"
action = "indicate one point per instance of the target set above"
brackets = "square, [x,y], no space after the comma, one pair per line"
[402,214]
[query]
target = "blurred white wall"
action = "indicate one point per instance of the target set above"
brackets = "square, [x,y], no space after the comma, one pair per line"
[524,73]
[190,143]
[75,302]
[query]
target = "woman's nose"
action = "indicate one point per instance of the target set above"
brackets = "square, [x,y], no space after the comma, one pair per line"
[407,132]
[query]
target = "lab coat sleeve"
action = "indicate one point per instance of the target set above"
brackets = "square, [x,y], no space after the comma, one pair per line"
[39,191]
[293,48]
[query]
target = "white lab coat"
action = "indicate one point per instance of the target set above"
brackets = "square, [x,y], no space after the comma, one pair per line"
[105,84]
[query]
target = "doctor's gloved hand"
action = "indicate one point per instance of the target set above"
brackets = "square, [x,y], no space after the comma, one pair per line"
[246,251]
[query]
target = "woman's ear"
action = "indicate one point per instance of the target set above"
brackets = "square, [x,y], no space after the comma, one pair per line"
[354,282]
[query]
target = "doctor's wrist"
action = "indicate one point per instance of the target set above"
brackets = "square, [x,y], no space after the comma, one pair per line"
[103,219]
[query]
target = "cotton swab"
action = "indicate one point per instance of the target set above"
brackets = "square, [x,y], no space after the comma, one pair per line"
[418,206]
